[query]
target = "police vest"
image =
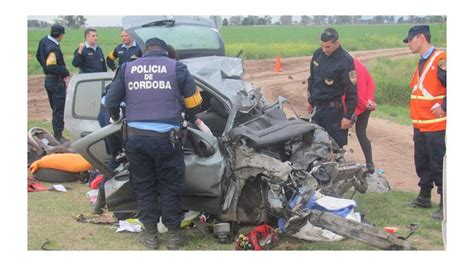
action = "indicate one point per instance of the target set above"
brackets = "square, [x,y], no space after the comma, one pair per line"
[427,90]
[151,90]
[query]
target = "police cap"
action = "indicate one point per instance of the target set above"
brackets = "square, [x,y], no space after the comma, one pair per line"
[329,34]
[156,42]
[57,30]
[415,30]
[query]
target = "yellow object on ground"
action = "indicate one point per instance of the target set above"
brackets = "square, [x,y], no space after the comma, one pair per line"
[70,162]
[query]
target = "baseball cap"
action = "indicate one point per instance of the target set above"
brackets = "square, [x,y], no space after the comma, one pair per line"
[156,42]
[415,30]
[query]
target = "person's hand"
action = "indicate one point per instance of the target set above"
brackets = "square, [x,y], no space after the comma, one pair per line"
[81,47]
[309,109]
[345,123]
[371,105]
[438,111]
[116,119]
[203,127]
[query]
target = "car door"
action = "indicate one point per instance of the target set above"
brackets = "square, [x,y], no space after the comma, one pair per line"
[82,106]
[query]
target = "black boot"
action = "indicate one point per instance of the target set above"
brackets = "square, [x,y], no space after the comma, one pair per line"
[99,202]
[423,200]
[177,238]
[150,237]
[439,213]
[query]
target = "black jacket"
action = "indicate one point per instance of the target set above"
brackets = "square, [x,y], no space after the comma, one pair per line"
[123,54]
[45,47]
[331,77]
[90,61]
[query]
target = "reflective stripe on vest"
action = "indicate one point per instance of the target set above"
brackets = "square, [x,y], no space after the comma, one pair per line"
[427,93]
[419,84]
[429,98]
[429,121]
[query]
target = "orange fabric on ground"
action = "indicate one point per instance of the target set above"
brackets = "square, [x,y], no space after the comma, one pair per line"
[70,162]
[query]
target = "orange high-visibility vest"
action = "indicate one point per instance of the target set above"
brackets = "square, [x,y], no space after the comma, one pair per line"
[427,90]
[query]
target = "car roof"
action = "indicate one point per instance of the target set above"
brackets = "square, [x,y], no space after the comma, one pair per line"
[129,22]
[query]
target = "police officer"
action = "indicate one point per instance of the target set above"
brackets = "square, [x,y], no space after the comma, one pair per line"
[332,75]
[155,88]
[125,52]
[89,57]
[51,59]
[428,114]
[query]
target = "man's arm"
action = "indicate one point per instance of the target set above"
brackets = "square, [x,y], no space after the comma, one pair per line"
[53,68]
[350,80]
[115,94]
[77,59]
[111,58]
[192,96]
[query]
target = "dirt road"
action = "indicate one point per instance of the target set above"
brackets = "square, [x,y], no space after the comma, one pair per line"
[392,144]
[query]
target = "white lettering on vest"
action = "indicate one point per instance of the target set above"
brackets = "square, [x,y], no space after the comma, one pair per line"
[146,85]
[147,69]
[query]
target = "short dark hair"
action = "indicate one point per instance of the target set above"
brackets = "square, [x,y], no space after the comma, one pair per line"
[172,52]
[427,37]
[88,30]
[329,34]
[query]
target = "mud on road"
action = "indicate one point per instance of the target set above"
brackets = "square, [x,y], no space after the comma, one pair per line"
[391,143]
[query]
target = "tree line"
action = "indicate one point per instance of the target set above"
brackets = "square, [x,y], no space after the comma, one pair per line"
[66,21]
[330,20]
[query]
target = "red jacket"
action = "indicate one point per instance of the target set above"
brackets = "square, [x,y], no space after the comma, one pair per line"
[365,87]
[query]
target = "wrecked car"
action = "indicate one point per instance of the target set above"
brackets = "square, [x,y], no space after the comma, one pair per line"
[256,160]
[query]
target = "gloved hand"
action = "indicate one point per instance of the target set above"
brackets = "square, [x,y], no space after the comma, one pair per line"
[203,127]
[116,119]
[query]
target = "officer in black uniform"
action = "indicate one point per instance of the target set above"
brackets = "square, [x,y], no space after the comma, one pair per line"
[332,75]
[156,89]
[125,52]
[89,57]
[51,59]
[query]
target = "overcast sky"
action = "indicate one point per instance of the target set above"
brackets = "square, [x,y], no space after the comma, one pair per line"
[104,21]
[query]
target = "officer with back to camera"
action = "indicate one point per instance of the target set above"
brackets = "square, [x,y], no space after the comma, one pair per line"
[156,89]
[51,59]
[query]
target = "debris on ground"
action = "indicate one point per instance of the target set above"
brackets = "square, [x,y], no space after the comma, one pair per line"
[262,237]
[129,225]
[35,186]
[105,218]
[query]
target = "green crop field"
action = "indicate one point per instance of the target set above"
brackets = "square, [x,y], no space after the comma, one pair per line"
[257,42]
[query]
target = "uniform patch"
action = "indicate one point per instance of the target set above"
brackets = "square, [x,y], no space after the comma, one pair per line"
[329,81]
[120,52]
[316,64]
[133,57]
[353,77]
[90,54]
[442,64]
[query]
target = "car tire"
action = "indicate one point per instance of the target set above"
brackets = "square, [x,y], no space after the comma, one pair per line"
[53,175]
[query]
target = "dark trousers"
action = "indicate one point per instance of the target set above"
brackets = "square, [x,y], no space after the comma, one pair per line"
[56,89]
[329,117]
[113,143]
[361,132]
[430,148]
[156,170]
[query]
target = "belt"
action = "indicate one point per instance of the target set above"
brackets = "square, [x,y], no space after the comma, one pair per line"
[131,131]
[331,104]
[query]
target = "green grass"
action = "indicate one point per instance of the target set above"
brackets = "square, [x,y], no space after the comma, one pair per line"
[51,217]
[266,41]
[257,42]
[392,79]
